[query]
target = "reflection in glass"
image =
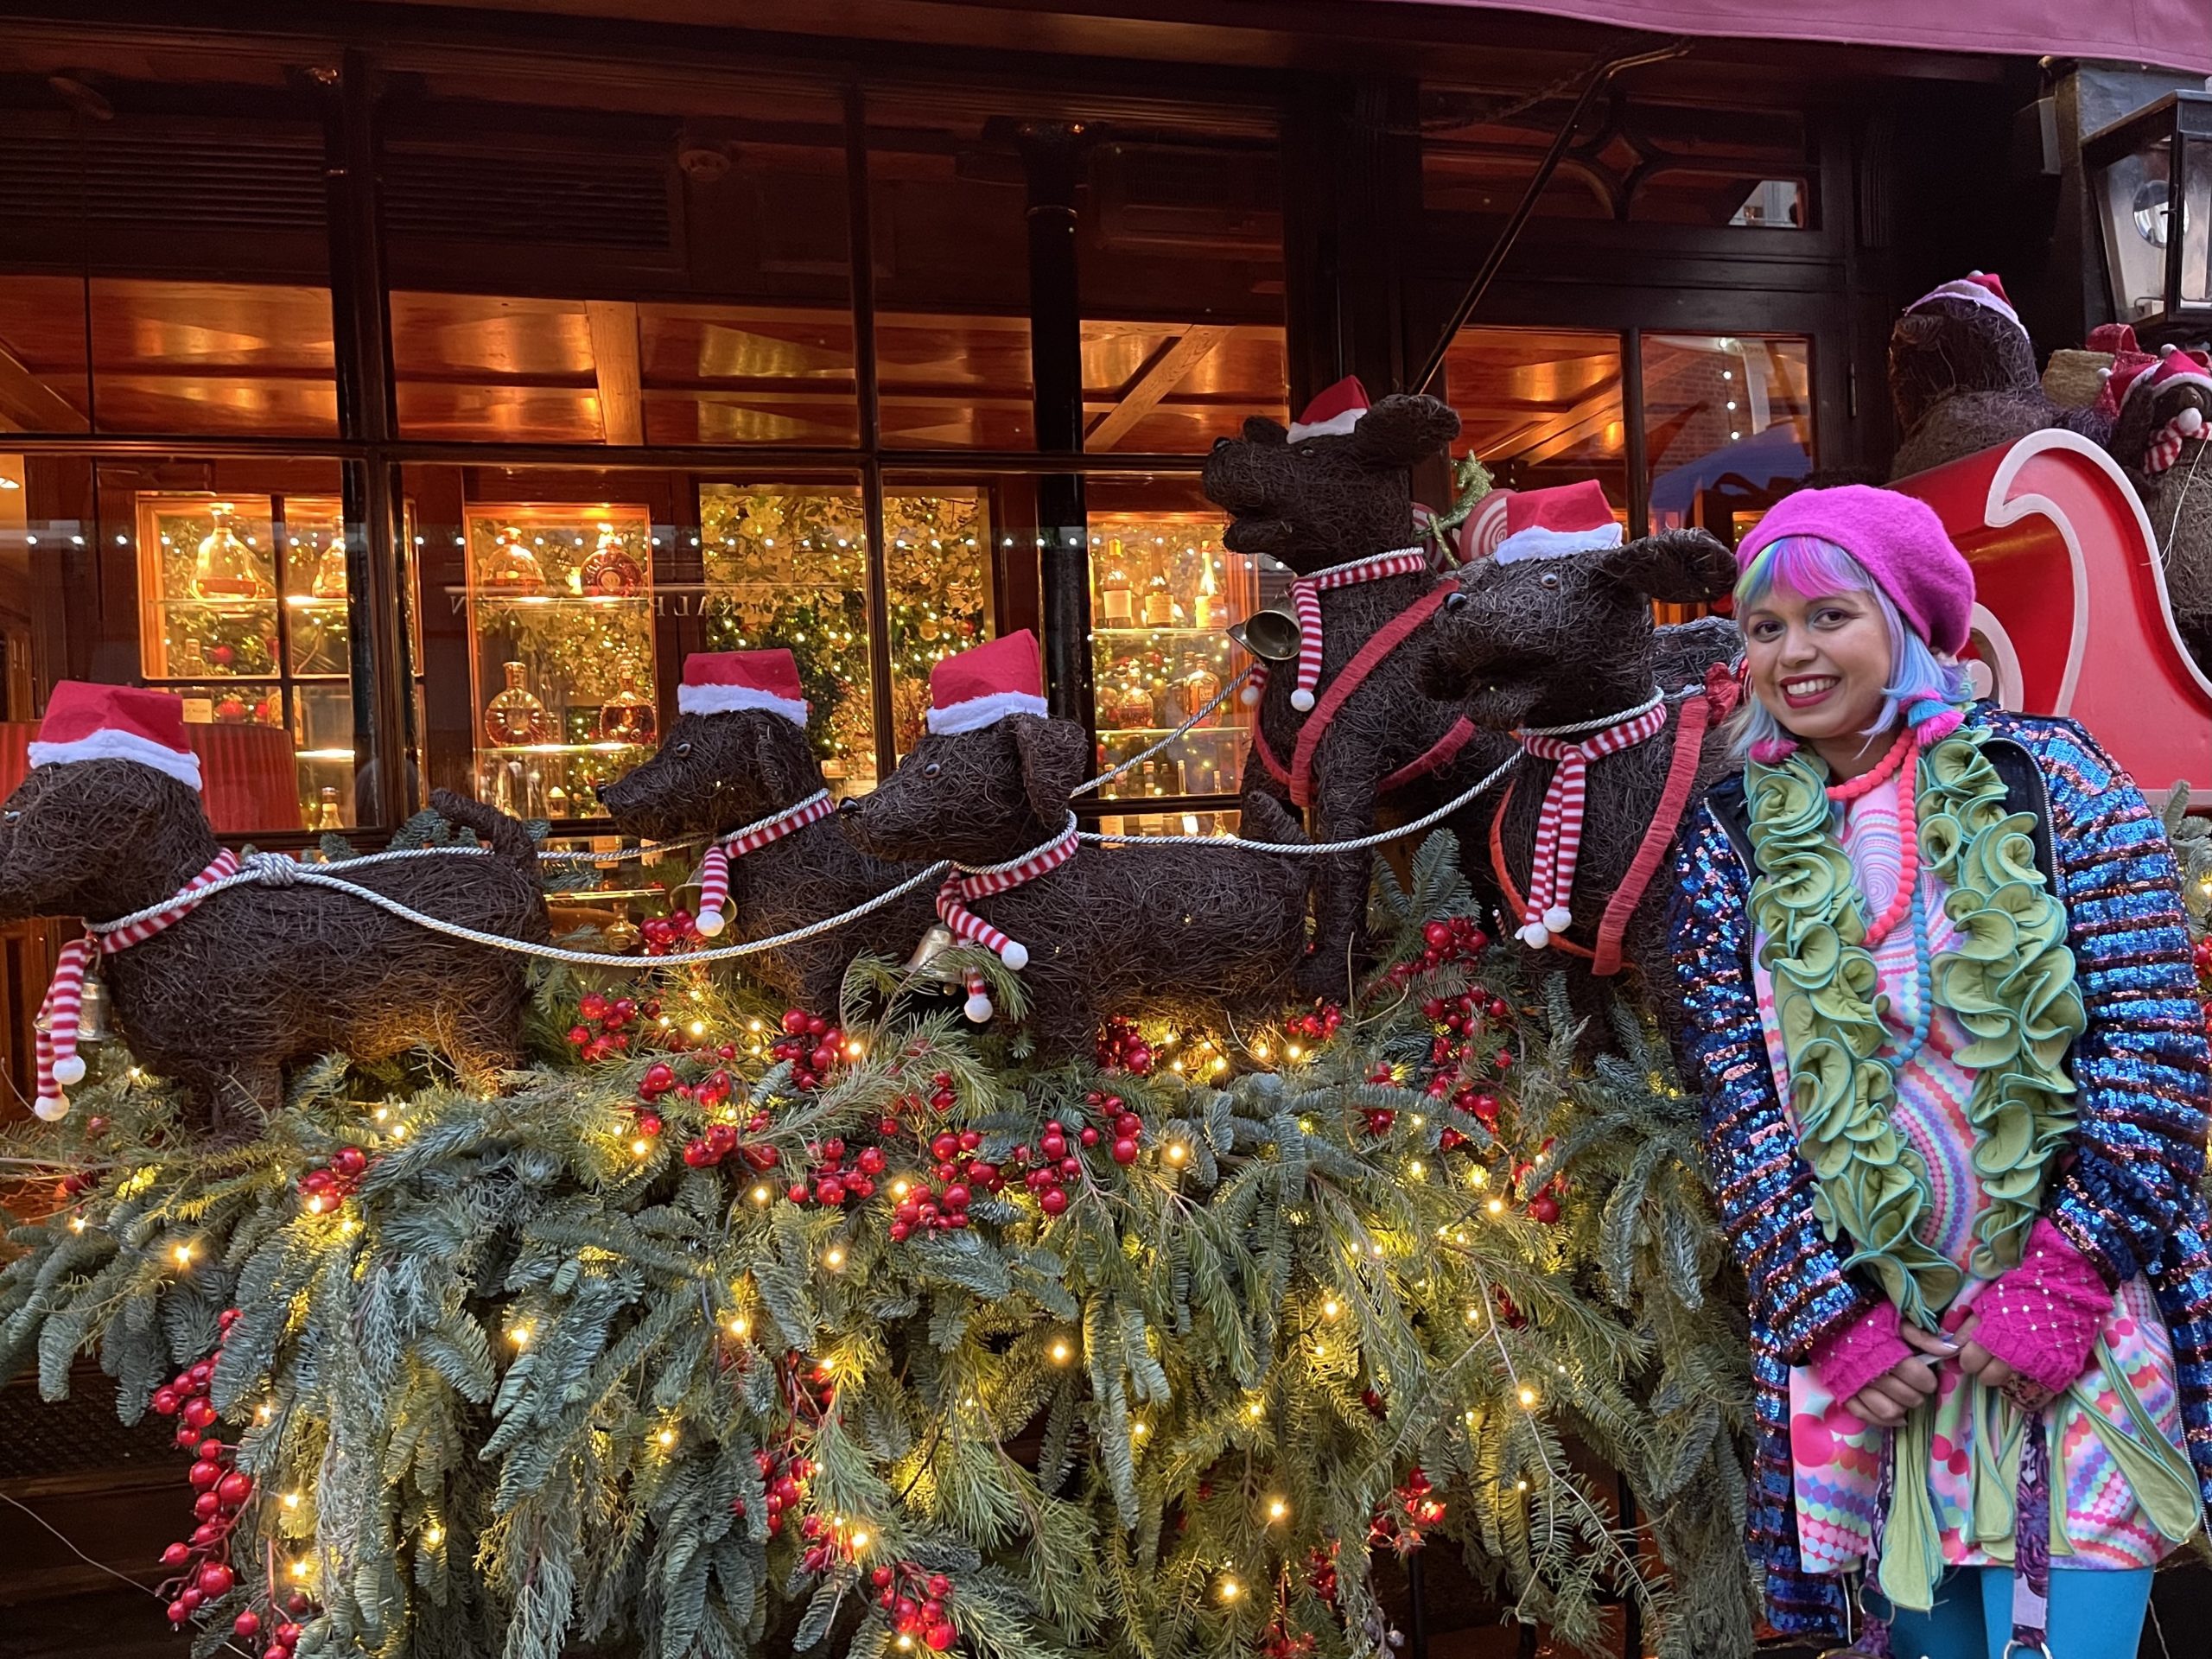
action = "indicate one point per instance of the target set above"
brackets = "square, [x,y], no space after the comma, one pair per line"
[1728,426]
[1540,407]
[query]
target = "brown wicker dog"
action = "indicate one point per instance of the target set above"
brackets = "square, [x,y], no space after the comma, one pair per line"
[1555,641]
[257,976]
[717,773]
[1313,501]
[1962,378]
[2178,498]
[1190,931]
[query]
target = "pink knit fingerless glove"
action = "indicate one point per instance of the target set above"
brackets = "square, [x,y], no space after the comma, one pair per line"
[1863,1350]
[2042,1317]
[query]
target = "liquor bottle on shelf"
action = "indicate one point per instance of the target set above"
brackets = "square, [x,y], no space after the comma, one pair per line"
[1202,606]
[1148,778]
[223,567]
[325,816]
[511,564]
[1158,602]
[610,570]
[1113,591]
[330,572]
[627,716]
[515,715]
[557,802]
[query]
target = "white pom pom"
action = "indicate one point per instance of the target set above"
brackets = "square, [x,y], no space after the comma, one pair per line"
[1533,936]
[708,922]
[1559,918]
[1250,696]
[2189,421]
[1301,700]
[978,1009]
[69,1069]
[52,1110]
[1015,955]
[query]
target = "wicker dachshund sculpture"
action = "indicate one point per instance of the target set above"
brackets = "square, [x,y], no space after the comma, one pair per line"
[1100,931]
[1962,378]
[2163,442]
[1345,723]
[1552,640]
[218,994]
[736,765]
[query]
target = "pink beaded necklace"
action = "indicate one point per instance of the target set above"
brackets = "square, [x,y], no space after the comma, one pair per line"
[1892,765]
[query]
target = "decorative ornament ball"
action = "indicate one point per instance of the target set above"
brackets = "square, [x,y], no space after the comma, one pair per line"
[978,1009]
[1544,1208]
[1015,955]
[708,922]
[70,1069]
[1301,700]
[1053,1200]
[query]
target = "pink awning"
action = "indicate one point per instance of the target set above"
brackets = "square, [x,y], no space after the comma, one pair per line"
[2169,34]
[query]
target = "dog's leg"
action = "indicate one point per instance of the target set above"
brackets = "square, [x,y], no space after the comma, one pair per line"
[1345,812]
[238,1100]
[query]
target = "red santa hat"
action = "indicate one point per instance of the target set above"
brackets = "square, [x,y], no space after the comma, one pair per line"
[1332,413]
[2178,368]
[1556,523]
[974,689]
[728,681]
[116,722]
[1981,288]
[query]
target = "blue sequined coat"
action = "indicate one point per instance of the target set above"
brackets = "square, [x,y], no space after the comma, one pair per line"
[2129,1199]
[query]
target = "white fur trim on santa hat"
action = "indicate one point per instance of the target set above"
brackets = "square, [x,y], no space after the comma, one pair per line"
[735,699]
[120,745]
[1963,288]
[1336,426]
[973,714]
[1537,542]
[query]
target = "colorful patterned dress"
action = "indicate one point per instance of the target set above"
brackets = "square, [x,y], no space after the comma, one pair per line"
[2129,1389]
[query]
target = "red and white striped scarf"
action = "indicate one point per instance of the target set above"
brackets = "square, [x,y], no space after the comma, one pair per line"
[1305,599]
[1559,825]
[2164,447]
[58,1064]
[965,884]
[714,869]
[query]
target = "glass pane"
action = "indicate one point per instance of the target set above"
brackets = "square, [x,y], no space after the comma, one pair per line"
[2196,227]
[1163,592]
[1541,407]
[1728,426]
[948,221]
[712,239]
[938,570]
[182,192]
[787,564]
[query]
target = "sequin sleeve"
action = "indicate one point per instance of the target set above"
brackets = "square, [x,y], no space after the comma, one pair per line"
[2141,1065]
[1799,1290]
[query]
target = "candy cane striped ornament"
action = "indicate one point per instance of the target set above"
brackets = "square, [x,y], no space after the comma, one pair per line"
[965,885]
[58,1063]
[714,866]
[1559,824]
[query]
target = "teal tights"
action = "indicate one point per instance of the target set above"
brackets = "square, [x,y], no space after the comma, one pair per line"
[2094,1615]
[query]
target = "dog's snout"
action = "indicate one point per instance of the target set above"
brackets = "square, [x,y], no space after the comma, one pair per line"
[1458,601]
[850,807]
[599,793]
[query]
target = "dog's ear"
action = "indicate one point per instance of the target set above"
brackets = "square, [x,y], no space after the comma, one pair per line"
[1676,566]
[1259,428]
[780,756]
[1053,757]
[1403,428]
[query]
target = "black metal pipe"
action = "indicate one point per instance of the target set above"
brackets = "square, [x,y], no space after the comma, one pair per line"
[861,239]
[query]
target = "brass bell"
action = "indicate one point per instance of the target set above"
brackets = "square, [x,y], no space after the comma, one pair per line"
[92,1014]
[936,941]
[1272,634]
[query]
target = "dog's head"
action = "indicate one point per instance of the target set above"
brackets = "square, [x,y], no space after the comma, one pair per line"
[1325,500]
[713,773]
[978,796]
[1945,346]
[2150,405]
[88,839]
[1547,641]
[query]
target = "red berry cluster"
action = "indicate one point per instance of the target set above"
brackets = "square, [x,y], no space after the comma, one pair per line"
[1543,1203]
[829,1183]
[603,1025]
[916,1602]
[1411,1510]
[1123,1048]
[1057,1164]
[783,1476]
[1454,1039]
[1277,1641]
[942,1205]
[1125,1125]
[327,1187]
[812,1044]
[665,934]
[1318,1026]
[1321,1572]
[1447,939]
[723,1140]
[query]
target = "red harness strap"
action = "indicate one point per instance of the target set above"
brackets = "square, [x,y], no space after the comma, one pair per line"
[1298,776]
[1697,713]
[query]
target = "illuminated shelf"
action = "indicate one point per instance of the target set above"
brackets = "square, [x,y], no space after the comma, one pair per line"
[1180,631]
[502,596]
[559,748]
[1162,731]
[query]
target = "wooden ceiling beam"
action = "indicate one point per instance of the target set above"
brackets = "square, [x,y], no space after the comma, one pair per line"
[1167,370]
[615,355]
[29,405]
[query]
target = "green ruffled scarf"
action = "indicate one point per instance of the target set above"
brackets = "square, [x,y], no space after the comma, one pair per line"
[2009,982]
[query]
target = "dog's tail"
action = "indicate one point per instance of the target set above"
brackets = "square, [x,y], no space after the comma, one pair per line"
[496,830]
[1265,818]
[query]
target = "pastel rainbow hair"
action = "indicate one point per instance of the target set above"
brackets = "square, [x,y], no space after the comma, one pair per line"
[1927,692]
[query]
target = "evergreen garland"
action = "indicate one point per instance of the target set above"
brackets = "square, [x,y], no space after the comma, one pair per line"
[525,1377]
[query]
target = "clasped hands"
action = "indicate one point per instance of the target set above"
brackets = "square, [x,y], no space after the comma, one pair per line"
[1886,1401]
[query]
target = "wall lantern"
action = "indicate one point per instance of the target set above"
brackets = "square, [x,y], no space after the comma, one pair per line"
[2150,175]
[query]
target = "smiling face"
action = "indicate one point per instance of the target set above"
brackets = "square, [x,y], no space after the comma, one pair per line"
[1821,666]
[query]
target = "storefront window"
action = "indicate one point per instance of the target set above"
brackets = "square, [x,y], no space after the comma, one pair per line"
[1540,407]
[1728,426]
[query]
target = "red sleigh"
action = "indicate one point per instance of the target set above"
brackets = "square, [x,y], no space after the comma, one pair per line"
[2073,618]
